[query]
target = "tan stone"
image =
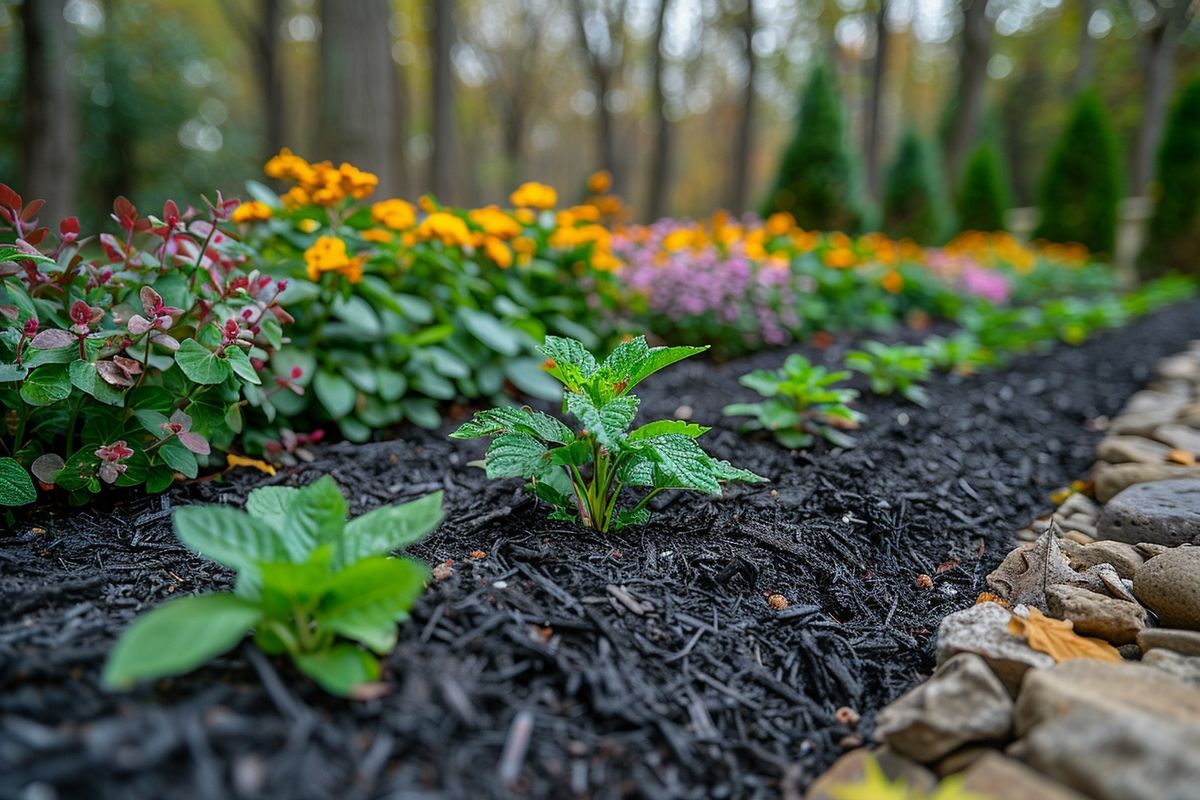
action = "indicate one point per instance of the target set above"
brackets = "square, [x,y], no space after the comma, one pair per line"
[1125,449]
[1125,558]
[1092,614]
[999,777]
[1181,641]
[1110,479]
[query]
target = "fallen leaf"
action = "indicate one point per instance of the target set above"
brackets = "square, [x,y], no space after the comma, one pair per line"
[1181,456]
[1057,638]
[988,597]
[947,565]
[1024,574]
[234,460]
[477,555]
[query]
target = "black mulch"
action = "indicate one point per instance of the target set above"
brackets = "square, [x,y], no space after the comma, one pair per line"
[565,664]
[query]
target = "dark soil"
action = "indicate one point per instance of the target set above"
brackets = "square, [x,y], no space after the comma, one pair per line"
[565,664]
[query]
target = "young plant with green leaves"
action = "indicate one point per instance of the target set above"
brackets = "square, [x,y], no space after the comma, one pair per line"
[898,368]
[582,473]
[309,584]
[961,352]
[801,402]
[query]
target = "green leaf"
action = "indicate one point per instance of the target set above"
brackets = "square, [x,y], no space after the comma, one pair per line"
[662,426]
[508,418]
[241,365]
[659,358]
[316,515]
[365,600]
[491,331]
[16,487]
[339,670]
[572,363]
[179,636]
[608,423]
[10,253]
[335,393]
[11,372]
[46,385]
[229,537]
[389,528]
[85,378]
[680,463]
[271,504]
[516,455]
[262,194]
[628,517]
[179,458]
[200,364]
[576,454]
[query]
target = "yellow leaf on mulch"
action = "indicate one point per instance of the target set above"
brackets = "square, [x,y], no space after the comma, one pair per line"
[1181,456]
[1057,638]
[234,460]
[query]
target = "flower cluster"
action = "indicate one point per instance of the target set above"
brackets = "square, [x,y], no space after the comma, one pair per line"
[321,184]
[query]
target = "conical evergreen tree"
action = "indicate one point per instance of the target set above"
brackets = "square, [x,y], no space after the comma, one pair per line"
[818,180]
[1082,185]
[984,196]
[1173,238]
[913,203]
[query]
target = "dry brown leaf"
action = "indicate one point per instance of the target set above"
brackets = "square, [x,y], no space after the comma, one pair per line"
[1181,456]
[947,565]
[1057,638]
[1024,574]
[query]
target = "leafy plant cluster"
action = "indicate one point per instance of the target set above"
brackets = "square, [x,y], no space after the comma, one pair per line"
[129,357]
[310,585]
[582,473]
[894,369]
[402,309]
[801,402]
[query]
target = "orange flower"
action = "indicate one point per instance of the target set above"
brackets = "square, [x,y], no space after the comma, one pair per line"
[892,282]
[498,252]
[399,215]
[599,182]
[253,211]
[840,258]
[328,254]
[534,195]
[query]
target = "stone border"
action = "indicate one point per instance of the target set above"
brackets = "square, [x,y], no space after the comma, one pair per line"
[1115,718]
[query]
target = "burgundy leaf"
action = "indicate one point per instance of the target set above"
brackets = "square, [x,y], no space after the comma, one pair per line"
[113,374]
[194,442]
[52,338]
[138,325]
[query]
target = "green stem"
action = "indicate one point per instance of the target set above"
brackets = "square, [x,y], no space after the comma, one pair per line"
[76,406]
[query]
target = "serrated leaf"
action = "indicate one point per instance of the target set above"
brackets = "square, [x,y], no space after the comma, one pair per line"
[271,504]
[608,423]
[572,363]
[317,515]
[507,419]
[680,463]
[389,528]
[664,426]
[628,517]
[516,455]
[179,636]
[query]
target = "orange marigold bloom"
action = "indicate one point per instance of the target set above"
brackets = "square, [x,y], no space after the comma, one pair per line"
[328,254]
[378,235]
[449,229]
[534,195]
[498,252]
[253,211]
[892,282]
[399,215]
[840,258]
[495,222]
[599,182]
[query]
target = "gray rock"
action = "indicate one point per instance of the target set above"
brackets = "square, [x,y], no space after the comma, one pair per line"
[1125,449]
[1110,479]
[1169,585]
[1078,524]
[963,702]
[1124,557]
[1115,621]
[1185,668]
[1190,415]
[1184,642]
[1118,756]
[983,630]
[1144,423]
[999,777]
[1163,512]
[1180,437]
[1150,549]
[1111,689]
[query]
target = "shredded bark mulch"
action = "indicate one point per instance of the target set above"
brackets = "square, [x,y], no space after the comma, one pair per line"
[646,663]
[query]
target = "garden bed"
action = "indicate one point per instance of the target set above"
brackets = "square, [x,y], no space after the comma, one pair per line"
[642,663]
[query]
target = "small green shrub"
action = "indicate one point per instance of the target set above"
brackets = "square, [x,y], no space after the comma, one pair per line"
[658,456]
[1173,240]
[960,353]
[309,584]
[1082,185]
[984,196]
[802,402]
[893,368]
[913,203]
[818,181]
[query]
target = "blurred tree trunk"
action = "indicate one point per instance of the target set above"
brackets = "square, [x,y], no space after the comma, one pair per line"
[743,138]
[271,78]
[1156,56]
[50,135]
[974,52]
[356,119]
[1085,66]
[442,97]
[602,63]
[659,175]
[872,132]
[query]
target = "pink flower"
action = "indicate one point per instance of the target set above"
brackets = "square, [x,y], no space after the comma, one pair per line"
[180,426]
[111,457]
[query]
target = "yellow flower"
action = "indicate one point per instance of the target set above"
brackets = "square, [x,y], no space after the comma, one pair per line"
[599,182]
[445,227]
[495,222]
[498,252]
[377,235]
[308,225]
[427,203]
[253,211]
[677,240]
[328,254]
[357,183]
[779,223]
[286,165]
[839,258]
[399,215]
[534,195]
[296,197]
